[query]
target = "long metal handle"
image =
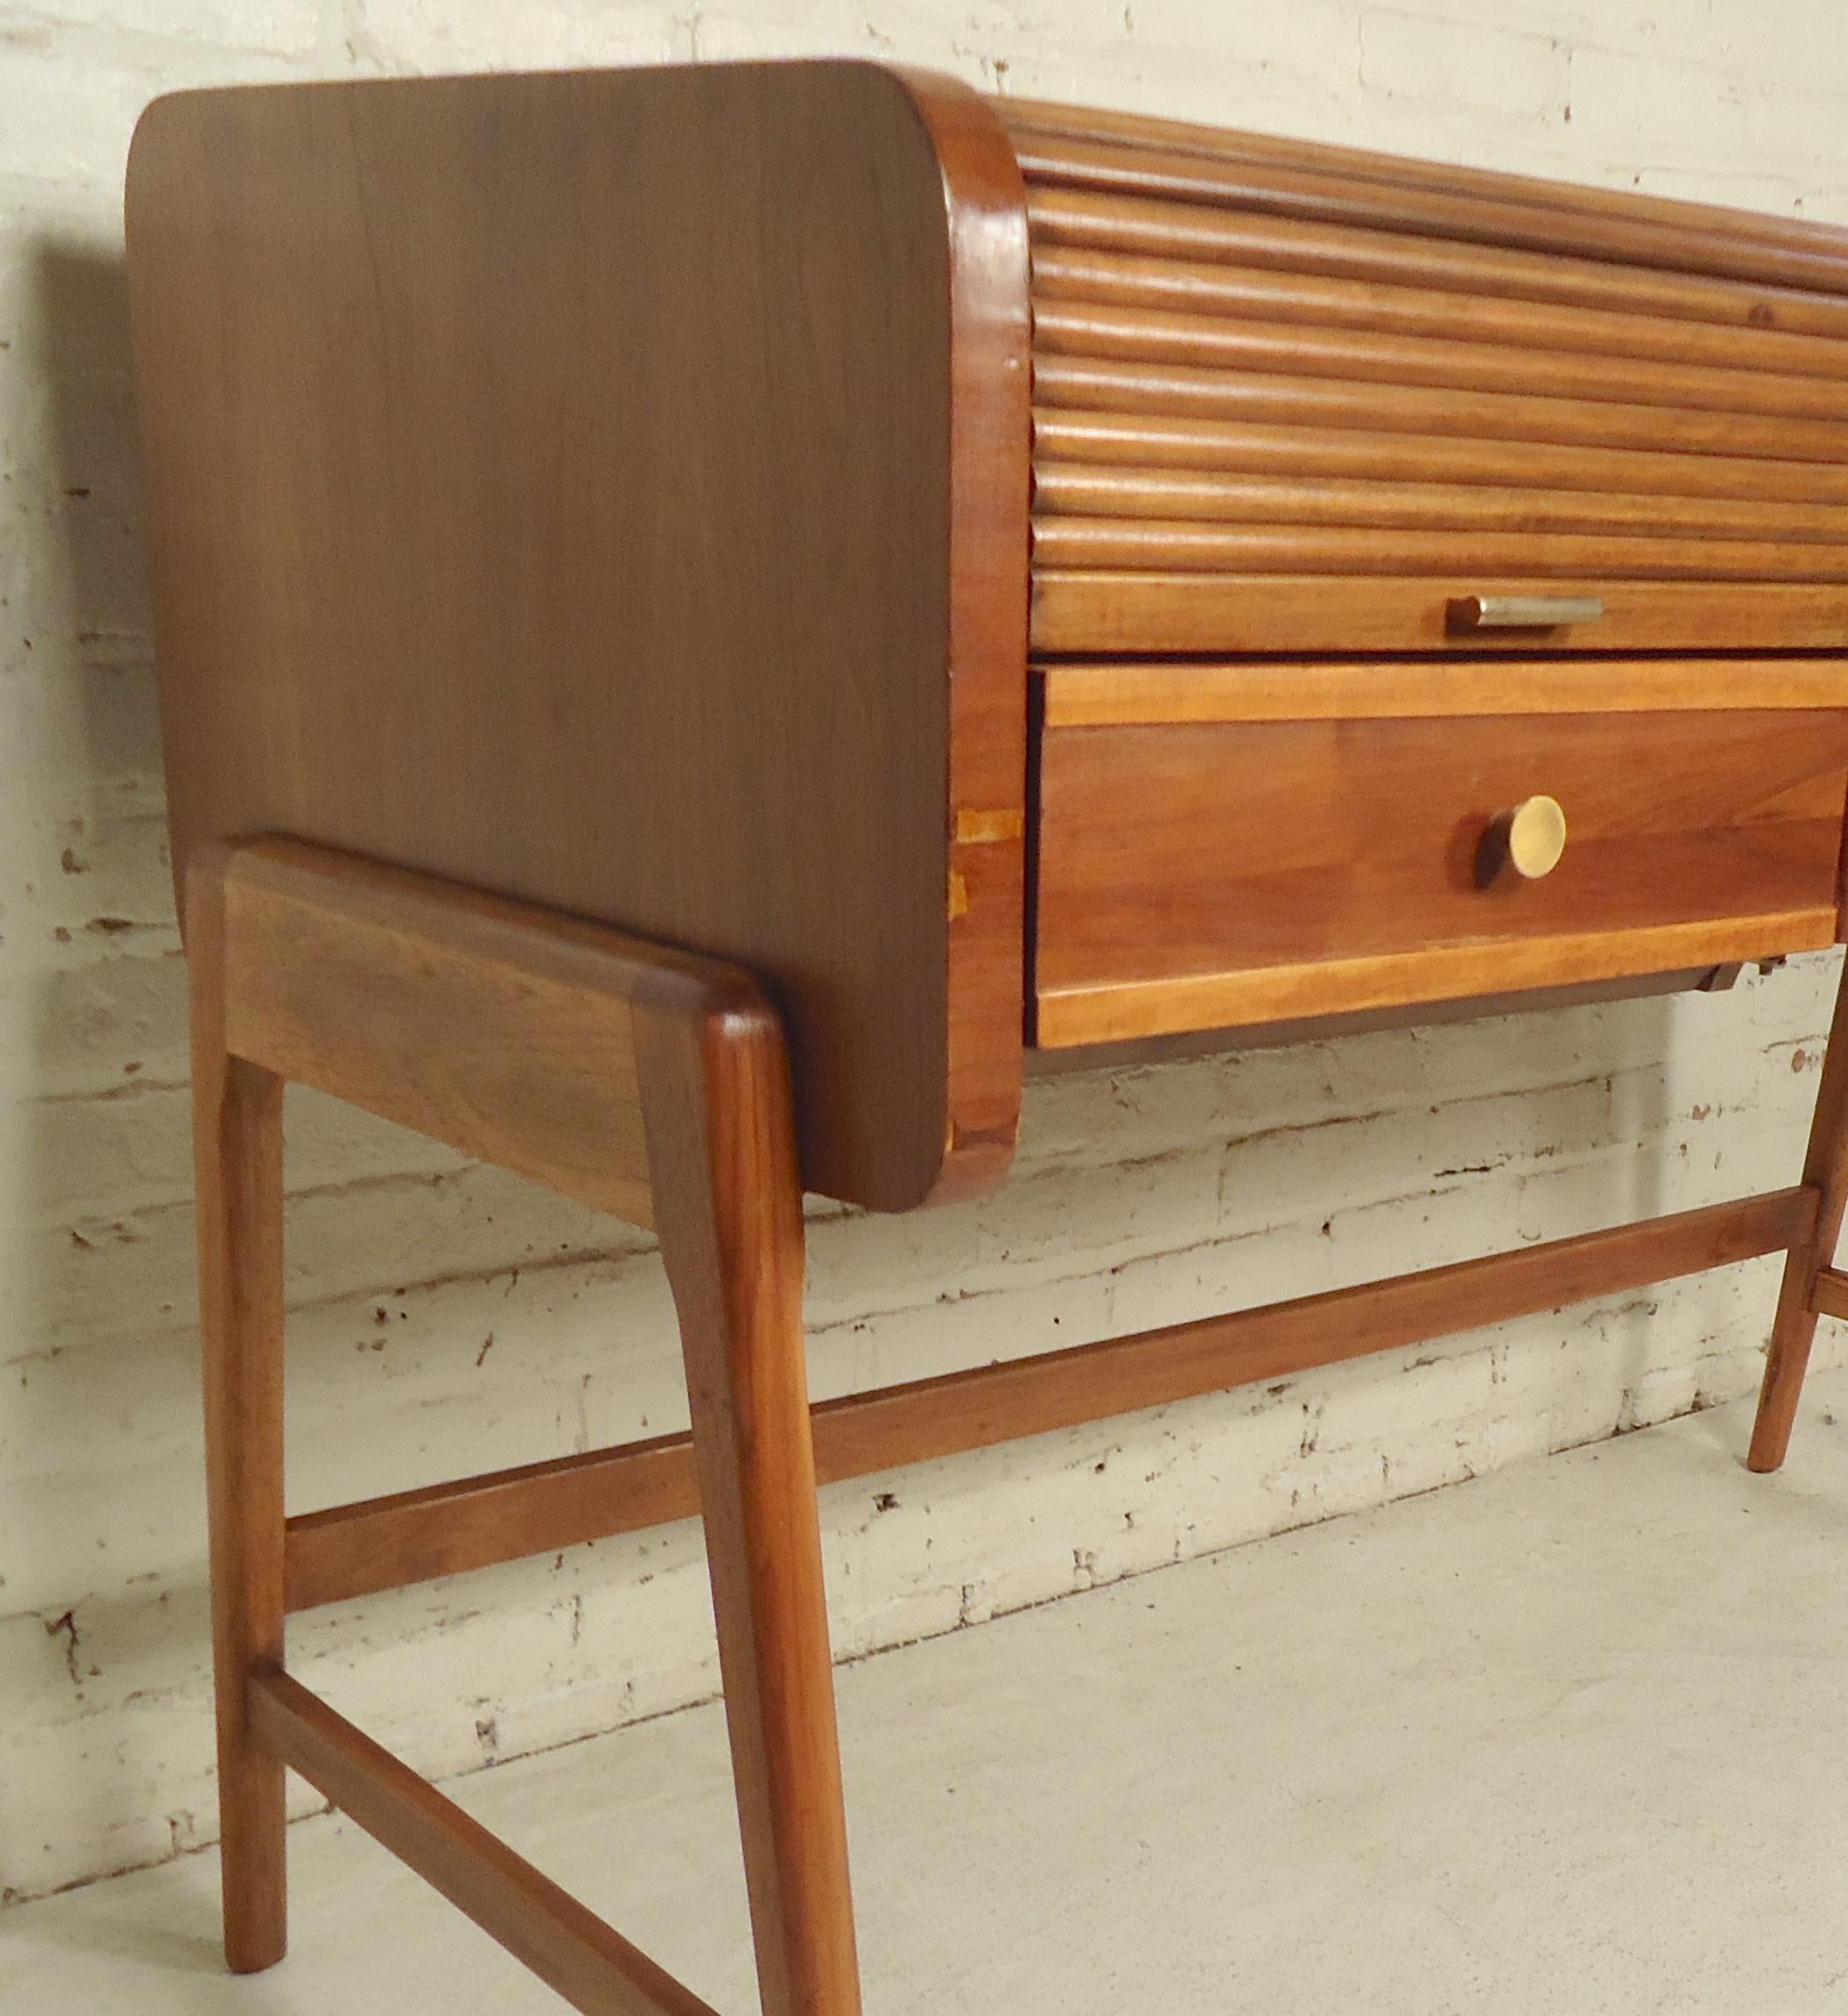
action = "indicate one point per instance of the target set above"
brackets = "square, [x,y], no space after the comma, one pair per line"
[1523,612]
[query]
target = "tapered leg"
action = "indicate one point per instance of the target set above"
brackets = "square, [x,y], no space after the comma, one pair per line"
[238,1154]
[730,1208]
[1825,1170]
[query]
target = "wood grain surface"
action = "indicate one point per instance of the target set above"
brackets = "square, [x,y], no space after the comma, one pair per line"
[1796,330]
[1125,153]
[1231,871]
[237,1162]
[508,1032]
[1830,1296]
[1116,692]
[608,490]
[1176,444]
[441,1530]
[1113,611]
[1396,371]
[1298,993]
[728,1201]
[645,1081]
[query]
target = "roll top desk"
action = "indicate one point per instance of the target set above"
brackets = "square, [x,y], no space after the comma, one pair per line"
[710,619]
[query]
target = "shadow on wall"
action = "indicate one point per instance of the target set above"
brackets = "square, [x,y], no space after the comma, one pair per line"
[106,1738]
[98,1399]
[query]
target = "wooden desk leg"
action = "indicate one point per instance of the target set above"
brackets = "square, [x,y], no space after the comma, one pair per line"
[1825,1170]
[238,1147]
[728,1203]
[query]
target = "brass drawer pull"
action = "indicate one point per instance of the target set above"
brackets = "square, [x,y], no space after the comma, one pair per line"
[1523,612]
[1529,839]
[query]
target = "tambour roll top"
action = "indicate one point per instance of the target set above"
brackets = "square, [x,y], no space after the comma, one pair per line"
[1007,577]
[1293,398]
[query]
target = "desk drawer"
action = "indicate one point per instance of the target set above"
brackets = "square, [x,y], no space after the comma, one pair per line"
[1212,867]
[1287,401]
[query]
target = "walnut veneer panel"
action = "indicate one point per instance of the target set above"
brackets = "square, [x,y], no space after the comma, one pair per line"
[1205,873]
[609,490]
[1300,398]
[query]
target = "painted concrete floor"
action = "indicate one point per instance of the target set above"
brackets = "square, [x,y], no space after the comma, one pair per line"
[1573,1737]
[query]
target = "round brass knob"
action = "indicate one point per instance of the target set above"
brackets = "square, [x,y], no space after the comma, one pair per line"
[1535,836]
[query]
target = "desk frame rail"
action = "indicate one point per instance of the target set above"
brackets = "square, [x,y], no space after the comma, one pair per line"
[654,1084]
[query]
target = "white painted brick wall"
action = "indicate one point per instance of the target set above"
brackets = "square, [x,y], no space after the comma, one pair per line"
[448,1318]
[1421,58]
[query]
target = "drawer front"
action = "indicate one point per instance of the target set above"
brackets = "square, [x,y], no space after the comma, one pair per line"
[1205,873]
[1292,398]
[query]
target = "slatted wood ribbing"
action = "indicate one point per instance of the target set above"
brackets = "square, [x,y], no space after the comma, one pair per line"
[1257,360]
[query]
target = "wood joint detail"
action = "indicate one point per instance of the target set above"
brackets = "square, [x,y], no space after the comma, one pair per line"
[1829,1295]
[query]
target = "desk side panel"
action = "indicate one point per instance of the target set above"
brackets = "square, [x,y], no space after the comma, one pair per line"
[553,484]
